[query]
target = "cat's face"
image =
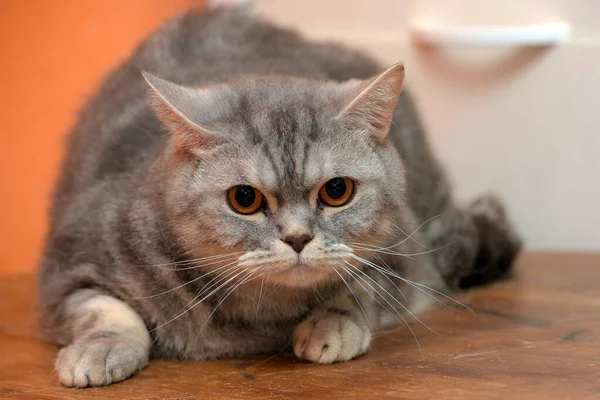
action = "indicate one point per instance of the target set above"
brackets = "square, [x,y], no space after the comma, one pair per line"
[284,176]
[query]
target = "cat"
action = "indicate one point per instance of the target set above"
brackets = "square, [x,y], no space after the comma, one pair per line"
[234,189]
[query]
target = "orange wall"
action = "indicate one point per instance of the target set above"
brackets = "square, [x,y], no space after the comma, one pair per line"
[53,54]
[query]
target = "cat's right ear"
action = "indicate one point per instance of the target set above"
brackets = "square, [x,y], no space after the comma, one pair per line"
[371,109]
[175,106]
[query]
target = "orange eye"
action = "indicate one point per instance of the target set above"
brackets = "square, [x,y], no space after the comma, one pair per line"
[336,192]
[245,199]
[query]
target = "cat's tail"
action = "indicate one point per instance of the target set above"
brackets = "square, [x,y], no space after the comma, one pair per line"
[474,245]
[499,243]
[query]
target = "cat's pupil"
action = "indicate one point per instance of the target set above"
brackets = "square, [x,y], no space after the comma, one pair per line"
[336,188]
[245,196]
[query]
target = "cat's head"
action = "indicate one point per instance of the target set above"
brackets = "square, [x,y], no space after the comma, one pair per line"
[284,175]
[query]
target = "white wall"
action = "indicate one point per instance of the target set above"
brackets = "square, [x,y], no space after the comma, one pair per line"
[524,122]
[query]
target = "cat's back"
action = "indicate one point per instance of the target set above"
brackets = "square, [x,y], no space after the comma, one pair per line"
[201,47]
[117,130]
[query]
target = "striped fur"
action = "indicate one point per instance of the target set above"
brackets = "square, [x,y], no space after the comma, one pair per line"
[139,198]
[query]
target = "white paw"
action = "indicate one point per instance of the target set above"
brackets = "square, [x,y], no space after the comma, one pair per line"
[100,361]
[329,338]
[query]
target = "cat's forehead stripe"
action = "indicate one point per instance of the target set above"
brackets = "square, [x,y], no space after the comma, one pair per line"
[284,132]
[291,132]
[271,160]
[245,115]
[304,161]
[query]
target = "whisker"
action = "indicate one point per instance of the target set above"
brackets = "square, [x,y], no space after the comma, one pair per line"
[193,261]
[355,275]
[415,284]
[394,253]
[188,282]
[260,294]
[244,280]
[394,298]
[441,294]
[409,236]
[389,279]
[218,280]
[189,308]
[355,296]
[393,274]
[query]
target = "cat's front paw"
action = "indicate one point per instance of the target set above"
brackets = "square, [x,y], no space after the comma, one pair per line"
[330,337]
[99,362]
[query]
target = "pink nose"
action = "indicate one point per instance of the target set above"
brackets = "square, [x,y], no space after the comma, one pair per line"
[298,242]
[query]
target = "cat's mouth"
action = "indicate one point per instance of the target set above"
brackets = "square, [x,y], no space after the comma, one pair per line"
[305,266]
[295,270]
[303,275]
[300,264]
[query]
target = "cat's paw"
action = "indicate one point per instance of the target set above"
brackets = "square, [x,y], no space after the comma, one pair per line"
[330,338]
[101,361]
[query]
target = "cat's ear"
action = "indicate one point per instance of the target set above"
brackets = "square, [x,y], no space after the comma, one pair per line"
[372,108]
[176,106]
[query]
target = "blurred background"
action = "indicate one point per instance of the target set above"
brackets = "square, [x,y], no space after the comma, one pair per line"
[517,118]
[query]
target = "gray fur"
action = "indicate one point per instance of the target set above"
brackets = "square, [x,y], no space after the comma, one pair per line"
[132,210]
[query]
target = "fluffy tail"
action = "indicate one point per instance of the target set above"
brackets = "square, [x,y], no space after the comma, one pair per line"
[499,243]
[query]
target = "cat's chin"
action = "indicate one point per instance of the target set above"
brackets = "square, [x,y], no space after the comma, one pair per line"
[303,276]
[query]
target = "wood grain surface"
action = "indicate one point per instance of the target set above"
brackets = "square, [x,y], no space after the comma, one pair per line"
[535,336]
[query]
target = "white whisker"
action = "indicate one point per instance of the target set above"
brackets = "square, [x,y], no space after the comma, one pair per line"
[355,275]
[355,296]
[389,279]
[416,285]
[394,253]
[189,308]
[193,261]
[408,237]
[393,297]
[441,294]
[188,282]
[260,295]
[244,280]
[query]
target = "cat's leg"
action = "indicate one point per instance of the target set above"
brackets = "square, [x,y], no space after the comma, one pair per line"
[110,341]
[337,331]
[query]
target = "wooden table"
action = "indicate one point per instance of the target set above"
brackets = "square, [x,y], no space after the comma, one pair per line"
[536,336]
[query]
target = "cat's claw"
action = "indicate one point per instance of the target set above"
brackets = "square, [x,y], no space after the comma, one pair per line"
[330,338]
[100,362]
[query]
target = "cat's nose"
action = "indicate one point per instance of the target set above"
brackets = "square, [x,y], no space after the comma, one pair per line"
[297,242]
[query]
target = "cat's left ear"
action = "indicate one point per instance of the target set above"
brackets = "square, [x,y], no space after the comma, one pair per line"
[371,110]
[179,108]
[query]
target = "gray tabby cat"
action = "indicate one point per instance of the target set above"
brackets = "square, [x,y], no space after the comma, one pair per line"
[270,193]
